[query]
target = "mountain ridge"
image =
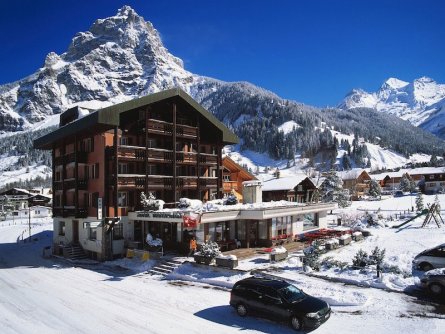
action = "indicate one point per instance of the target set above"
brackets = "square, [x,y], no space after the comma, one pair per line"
[122,57]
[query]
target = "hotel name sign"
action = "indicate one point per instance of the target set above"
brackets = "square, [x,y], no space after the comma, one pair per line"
[168,215]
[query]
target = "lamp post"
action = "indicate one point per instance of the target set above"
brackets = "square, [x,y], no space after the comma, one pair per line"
[29,220]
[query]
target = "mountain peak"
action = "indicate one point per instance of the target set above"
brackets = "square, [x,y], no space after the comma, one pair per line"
[394,83]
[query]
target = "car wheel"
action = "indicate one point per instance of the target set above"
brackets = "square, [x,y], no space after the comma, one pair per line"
[435,288]
[241,309]
[426,266]
[296,323]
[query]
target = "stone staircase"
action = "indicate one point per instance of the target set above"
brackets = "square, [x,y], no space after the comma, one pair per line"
[165,266]
[74,252]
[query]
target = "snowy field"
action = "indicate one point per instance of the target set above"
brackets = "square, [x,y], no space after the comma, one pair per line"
[39,295]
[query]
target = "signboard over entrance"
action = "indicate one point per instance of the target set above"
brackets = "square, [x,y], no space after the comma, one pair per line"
[148,214]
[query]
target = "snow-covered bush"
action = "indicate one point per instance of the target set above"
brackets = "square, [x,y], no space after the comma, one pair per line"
[210,249]
[360,259]
[329,262]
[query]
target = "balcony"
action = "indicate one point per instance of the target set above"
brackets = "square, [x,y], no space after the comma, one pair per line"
[228,186]
[73,184]
[81,157]
[187,182]
[208,159]
[131,153]
[186,157]
[70,211]
[208,182]
[58,185]
[157,126]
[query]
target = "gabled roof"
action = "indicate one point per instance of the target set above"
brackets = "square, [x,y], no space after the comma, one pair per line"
[16,191]
[284,183]
[231,165]
[352,174]
[108,118]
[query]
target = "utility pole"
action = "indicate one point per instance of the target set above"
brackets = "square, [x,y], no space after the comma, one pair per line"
[29,220]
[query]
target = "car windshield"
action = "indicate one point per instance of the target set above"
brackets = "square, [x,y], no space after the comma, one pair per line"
[291,293]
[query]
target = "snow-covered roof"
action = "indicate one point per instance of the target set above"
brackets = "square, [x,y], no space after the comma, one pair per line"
[283,183]
[413,171]
[351,174]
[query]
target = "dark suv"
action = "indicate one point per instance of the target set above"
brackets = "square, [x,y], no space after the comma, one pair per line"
[279,300]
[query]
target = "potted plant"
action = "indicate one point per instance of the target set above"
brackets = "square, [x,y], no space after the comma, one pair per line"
[207,252]
[227,261]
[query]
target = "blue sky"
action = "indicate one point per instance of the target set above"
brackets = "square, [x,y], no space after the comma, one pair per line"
[310,51]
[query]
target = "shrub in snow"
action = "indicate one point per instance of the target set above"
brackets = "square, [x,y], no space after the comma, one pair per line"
[360,259]
[437,203]
[210,250]
[227,257]
[329,262]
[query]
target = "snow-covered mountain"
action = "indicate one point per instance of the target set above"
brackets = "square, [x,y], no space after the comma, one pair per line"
[420,102]
[122,57]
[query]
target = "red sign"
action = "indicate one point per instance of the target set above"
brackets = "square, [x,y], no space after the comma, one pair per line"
[190,221]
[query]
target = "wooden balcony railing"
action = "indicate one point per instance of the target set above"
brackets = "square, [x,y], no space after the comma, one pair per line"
[208,182]
[208,159]
[230,185]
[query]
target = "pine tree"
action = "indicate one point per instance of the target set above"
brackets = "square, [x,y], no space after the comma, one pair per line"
[405,184]
[331,190]
[419,201]
[374,189]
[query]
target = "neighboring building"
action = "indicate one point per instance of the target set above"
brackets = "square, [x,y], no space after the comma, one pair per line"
[429,179]
[37,211]
[16,199]
[40,200]
[356,181]
[297,188]
[233,177]
[164,143]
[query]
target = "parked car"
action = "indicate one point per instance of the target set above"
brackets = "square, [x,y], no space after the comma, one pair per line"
[278,300]
[430,258]
[434,281]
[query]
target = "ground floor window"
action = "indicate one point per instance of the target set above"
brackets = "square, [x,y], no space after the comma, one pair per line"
[310,221]
[281,226]
[92,233]
[118,231]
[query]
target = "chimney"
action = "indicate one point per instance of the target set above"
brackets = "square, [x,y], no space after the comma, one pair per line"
[252,192]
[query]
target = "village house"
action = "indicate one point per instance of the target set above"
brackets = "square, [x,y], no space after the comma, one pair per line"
[165,144]
[233,177]
[297,188]
[356,181]
[430,180]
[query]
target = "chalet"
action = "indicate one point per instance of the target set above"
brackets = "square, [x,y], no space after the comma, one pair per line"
[165,144]
[428,179]
[298,188]
[15,198]
[233,177]
[356,181]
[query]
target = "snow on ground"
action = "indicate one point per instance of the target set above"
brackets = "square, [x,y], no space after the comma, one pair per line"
[288,126]
[41,295]
[25,173]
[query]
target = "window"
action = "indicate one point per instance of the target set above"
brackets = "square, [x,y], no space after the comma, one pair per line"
[118,231]
[95,171]
[94,198]
[61,228]
[151,169]
[123,141]
[122,168]
[122,199]
[87,145]
[226,177]
[151,143]
[92,233]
